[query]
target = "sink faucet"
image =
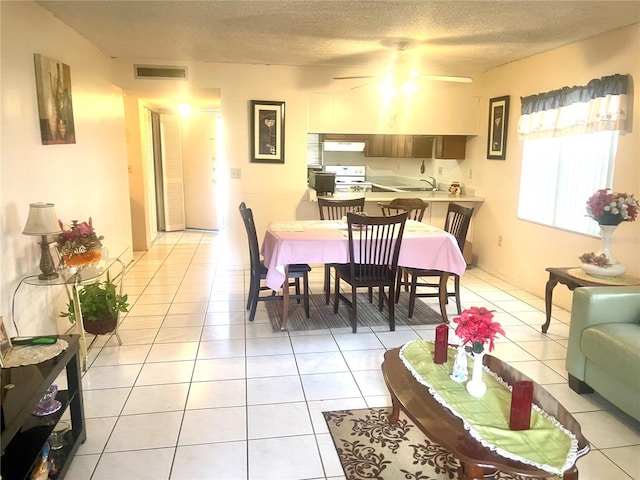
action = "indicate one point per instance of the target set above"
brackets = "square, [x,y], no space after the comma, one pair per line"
[432,183]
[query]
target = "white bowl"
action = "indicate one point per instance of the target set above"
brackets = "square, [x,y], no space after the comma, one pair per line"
[609,271]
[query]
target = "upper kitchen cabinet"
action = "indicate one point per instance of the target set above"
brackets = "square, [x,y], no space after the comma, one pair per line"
[450,147]
[399,146]
[453,110]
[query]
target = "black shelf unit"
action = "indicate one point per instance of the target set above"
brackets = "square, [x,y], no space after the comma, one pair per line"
[23,434]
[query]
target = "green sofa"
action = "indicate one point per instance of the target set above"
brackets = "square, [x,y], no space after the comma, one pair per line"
[604,345]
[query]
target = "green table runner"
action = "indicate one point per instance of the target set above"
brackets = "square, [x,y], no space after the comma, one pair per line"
[546,445]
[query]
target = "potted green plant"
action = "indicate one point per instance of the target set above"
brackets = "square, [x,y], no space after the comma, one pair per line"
[100,304]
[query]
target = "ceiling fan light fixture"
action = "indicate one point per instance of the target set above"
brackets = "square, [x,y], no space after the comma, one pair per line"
[409,87]
[388,89]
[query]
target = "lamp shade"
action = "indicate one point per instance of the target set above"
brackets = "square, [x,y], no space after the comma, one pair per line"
[42,220]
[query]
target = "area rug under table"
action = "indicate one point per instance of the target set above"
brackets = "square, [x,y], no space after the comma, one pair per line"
[321,315]
[370,448]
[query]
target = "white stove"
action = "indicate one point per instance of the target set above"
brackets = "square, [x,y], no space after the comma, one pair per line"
[349,178]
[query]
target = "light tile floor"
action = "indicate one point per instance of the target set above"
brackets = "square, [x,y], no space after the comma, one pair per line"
[196,392]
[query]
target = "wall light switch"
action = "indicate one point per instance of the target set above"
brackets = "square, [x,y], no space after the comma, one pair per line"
[236,173]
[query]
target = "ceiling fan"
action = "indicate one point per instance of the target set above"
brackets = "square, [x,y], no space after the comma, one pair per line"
[404,80]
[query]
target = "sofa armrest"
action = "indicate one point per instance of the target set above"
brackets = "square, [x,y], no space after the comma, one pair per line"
[594,306]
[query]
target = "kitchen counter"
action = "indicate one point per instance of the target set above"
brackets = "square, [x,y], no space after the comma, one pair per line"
[427,196]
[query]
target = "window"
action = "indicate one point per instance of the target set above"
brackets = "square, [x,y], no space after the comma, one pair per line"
[559,174]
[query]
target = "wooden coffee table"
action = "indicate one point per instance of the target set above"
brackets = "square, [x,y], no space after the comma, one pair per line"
[441,426]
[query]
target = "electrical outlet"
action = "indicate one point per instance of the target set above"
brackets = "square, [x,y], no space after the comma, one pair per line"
[236,173]
[470,174]
[499,240]
[439,170]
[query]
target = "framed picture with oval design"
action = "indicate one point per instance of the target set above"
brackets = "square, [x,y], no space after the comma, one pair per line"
[267,131]
[498,120]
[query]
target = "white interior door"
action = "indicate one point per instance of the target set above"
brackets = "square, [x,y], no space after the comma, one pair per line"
[200,167]
[172,173]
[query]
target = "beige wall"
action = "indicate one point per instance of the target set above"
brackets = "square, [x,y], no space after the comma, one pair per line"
[85,179]
[527,247]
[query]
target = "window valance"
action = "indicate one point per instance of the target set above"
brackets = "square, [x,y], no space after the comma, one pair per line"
[600,105]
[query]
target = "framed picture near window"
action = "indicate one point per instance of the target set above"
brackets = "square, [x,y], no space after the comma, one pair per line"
[267,131]
[498,120]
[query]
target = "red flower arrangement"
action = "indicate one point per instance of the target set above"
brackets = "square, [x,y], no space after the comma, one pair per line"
[476,326]
[608,208]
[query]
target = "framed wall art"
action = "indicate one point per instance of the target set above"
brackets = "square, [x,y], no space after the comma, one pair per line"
[55,109]
[5,343]
[498,120]
[267,131]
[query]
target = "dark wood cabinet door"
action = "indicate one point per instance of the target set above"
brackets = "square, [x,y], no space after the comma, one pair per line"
[451,146]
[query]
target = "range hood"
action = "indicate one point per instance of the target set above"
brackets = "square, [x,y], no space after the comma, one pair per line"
[332,146]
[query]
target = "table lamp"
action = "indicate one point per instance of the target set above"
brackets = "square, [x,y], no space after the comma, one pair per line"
[43,221]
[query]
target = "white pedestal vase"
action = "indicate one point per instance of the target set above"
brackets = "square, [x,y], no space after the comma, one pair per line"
[606,235]
[614,268]
[476,387]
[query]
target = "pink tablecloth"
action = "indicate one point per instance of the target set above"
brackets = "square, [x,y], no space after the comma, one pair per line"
[320,242]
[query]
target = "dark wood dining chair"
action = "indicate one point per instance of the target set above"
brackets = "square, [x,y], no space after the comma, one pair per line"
[259,271]
[335,209]
[415,207]
[374,246]
[457,224]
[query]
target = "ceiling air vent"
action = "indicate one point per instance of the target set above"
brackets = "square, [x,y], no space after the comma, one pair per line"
[161,72]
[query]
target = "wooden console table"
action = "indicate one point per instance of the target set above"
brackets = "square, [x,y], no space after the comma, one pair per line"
[562,275]
[24,434]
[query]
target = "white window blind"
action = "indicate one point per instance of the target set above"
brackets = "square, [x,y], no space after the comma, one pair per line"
[559,174]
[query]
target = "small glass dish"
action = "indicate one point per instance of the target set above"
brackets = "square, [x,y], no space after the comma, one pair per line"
[56,439]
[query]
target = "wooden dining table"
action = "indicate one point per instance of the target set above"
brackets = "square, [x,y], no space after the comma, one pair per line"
[326,241]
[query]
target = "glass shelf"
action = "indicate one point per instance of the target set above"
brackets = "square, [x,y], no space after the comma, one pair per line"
[84,274]
[74,277]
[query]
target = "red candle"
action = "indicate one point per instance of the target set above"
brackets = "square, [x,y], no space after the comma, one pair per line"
[442,341]
[521,395]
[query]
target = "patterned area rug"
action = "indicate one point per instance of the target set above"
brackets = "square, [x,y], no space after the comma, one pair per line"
[370,448]
[321,316]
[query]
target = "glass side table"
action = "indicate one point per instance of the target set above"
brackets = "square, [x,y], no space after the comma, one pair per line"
[73,278]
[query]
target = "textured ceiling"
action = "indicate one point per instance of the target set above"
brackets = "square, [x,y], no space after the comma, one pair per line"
[445,37]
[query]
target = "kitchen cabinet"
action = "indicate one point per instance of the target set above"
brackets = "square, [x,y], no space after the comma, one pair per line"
[399,146]
[422,146]
[375,146]
[24,434]
[451,147]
